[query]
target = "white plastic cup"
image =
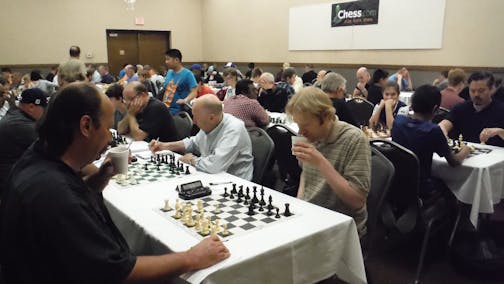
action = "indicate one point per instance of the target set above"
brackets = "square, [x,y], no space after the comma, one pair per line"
[297,139]
[119,158]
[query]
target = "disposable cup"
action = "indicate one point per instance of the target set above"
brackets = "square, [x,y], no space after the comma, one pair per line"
[119,158]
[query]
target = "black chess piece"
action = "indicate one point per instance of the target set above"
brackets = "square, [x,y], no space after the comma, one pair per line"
[254,198]
[246,202]
[187,172]
[157,167]
[251,211]
[231,196]
[240,191]
[269,213]
[233,191]
[239,199]
[146,167]
[270,203]
[247,196]
[225,192]
[277,213]
[287,212]
[262,202]
[261,208]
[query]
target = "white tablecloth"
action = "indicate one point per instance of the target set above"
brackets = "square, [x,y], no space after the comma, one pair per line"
[478,181]
[309,247]
[284,117]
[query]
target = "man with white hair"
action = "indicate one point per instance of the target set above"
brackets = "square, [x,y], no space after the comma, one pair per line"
[223,141]
[273,96]
[363,77]
[334,85]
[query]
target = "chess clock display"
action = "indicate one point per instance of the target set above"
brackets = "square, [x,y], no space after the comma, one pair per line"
[193,190]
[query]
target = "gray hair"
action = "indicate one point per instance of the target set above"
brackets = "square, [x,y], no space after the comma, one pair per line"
[332,82]
[268,77]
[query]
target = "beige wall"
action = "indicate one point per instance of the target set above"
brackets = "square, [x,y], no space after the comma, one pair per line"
[257,31]
[40,32]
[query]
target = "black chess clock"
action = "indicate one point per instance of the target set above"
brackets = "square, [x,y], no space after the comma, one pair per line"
[192,190]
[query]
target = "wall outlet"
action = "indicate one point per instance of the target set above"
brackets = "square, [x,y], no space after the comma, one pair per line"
[89,55]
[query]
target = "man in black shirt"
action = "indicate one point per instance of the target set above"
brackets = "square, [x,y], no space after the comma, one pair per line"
[54,226]
[481,119]
[106,78]
[273,96]
[17,129]
[309,75]
[334,85]
[146,118]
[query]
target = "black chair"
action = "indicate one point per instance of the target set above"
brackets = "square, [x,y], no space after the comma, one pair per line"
[404,212]
[262,150]
[382,173]
[361,110]
[288,165]
[184,124]
[441,114]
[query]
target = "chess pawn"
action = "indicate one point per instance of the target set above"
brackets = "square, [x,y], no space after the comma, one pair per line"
[225,231]
[200,206]
[198,223]
[177,214]
[217,209]
[216,225]
[167,205]
[204,227]
[190,220]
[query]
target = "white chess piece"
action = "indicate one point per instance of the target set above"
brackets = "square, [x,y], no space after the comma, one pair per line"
[200,206]
[167,205]
[217,209]
[225,231]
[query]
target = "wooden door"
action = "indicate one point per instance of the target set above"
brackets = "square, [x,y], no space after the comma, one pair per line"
[136,47]
[152,47]
[122,48]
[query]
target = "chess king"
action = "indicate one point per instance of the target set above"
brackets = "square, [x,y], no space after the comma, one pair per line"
[63,232]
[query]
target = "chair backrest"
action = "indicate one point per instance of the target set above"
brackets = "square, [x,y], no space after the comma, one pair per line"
[401,205]
[382,173]
[440,115]
[262,150]
[287,163]
[184,124]
[361,110]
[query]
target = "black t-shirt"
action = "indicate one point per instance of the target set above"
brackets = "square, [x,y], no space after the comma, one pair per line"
[309,76]
[107,79]
[275,99]
[375,94]
[465,94]
[469,123]
[17,133]
[343,112]
[156,121]
[55,229]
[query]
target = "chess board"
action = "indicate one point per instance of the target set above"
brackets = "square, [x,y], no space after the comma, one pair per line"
[479,151]
[475,150]
[138,175]
[232,213]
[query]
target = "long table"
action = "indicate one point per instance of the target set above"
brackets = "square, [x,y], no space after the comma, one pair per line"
[310,246]
[479,181]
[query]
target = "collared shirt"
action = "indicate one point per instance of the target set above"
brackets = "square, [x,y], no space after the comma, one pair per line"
[246,109]
[348,150]
[226,148]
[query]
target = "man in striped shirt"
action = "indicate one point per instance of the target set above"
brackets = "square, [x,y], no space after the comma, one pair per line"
[336,159]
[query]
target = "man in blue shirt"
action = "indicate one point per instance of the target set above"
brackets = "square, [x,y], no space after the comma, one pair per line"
[180,85]
[422,137]
[481,119]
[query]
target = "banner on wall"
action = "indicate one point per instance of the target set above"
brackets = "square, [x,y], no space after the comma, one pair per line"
[355,13]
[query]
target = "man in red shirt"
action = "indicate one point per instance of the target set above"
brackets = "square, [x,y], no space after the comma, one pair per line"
[456,82]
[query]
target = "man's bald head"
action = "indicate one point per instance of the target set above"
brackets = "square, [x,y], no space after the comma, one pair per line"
[209,103]
[363,75]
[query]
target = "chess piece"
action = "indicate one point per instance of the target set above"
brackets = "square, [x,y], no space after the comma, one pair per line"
[198,223]
[187,172]
[177,210]
[277,213]
[269,213]
[254,198]
[270,203]
[233,191]
[251,210]
[157,167]
[190,220]
[216,225]
[225,231]
[167,206]
[240,192]
[262,202]
[217,209]
[146,167]
[261,208]
[287,212]
[231,196]
[225,192]
[204,227]
[200,206]
[247,196]
[239,200]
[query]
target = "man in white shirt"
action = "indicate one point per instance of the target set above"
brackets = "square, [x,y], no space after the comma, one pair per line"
[223,141]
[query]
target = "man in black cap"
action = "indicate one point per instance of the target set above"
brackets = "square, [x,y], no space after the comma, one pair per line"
[17,129]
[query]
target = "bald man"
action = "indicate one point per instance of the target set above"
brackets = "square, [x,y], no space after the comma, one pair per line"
[146,118]
[223,141]
[363,77]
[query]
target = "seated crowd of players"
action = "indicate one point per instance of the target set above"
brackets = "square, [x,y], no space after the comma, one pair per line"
[55,228]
